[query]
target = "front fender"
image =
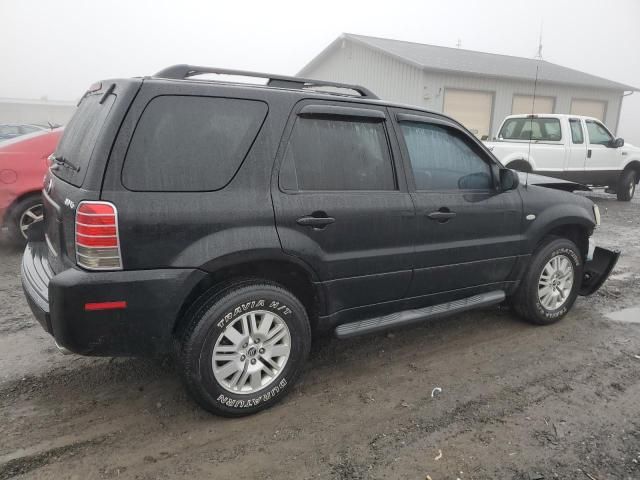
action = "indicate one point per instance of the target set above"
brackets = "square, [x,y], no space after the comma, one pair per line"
[547,209]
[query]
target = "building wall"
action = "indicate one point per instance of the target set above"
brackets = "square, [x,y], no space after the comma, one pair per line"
[20,111]
[387,77]
[505,89]
[401,82]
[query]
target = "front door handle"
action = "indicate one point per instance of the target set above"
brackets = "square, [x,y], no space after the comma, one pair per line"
[443,215]
[317,222]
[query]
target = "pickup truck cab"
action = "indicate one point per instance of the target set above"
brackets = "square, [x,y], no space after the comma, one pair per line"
[569,147]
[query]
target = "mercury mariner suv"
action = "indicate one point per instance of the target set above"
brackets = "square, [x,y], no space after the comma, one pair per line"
[230,223]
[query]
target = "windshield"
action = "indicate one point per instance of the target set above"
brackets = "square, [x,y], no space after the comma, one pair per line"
[524,128]
[80,136]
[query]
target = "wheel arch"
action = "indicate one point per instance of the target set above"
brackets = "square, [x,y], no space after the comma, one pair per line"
[635,166]
[16,201]
[519,160]
[286,270]
[576,232]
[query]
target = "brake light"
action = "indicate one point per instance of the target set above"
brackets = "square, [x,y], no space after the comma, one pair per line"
[97,237]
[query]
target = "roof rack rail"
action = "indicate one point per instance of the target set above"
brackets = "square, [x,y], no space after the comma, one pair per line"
[184,71]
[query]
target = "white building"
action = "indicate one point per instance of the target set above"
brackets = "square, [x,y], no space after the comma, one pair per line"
[478,89]
[41,112]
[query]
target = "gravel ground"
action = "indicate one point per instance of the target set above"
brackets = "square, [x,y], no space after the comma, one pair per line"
[517,401]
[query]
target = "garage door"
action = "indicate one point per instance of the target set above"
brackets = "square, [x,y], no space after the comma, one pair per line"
[524,104]
[472,109]
[589,108]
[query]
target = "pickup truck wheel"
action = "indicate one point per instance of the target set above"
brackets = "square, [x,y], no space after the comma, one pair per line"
[244,348]
[22,214]
[550,285]
[627,186]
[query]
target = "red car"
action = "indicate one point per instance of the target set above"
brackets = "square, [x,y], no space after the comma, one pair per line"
[23,164]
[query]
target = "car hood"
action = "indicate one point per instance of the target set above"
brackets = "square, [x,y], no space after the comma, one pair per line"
[629,148]
[549,182]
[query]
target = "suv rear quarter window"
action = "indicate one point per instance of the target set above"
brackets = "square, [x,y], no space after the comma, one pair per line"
[191,143]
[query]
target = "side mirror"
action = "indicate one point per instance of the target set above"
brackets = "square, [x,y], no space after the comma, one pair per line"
[509,179]
[617,143]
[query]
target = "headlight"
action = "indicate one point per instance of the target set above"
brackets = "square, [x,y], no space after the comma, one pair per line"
[596,214]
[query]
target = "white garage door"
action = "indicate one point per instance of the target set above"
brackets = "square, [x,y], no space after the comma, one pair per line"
[589,108]
[472,109]
[524,104]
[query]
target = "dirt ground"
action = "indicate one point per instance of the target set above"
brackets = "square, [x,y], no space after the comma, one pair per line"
[517,401]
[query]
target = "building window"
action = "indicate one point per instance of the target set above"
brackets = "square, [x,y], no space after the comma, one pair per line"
[471,108]
[525,104]
[589,108]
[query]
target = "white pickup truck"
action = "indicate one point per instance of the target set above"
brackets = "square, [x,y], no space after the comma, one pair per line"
[569,147]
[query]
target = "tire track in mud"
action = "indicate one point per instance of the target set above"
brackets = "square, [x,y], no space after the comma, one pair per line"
[28,463]
[507,401]
[379,449]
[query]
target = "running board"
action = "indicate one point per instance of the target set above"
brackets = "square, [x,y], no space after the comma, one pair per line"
[407,317]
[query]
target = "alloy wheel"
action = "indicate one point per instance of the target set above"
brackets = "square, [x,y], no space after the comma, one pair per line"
[555,282]
[251,352]
[31,215]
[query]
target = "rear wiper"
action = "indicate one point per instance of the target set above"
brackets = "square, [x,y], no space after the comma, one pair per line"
[64,162]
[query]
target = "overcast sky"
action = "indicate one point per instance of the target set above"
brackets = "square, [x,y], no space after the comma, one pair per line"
[58,48]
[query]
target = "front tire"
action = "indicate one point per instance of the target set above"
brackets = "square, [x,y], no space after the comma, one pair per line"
[244,348]
[626,186]
[550,285]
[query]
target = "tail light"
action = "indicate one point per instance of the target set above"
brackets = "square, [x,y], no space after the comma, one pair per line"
[97,238]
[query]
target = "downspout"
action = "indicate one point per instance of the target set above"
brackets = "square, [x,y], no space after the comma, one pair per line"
[624,94]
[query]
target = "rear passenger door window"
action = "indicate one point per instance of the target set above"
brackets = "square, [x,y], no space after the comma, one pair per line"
[341,201]
[191,143]
[577,135]
[334,153]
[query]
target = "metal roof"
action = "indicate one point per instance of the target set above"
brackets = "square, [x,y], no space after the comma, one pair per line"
[469,62]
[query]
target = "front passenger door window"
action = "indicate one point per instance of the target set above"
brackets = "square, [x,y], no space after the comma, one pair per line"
[600,155]
[442,160]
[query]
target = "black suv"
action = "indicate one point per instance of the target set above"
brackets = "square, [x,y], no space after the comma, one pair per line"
[229,223]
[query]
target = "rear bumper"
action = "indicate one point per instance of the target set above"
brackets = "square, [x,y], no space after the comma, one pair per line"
[153,299]
[598,269]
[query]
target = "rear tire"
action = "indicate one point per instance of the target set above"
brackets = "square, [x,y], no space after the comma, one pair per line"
[550,286]
[626,186]
[21,215]
[243,348]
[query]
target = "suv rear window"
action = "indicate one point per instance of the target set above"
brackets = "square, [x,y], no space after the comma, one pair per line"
[190,144]
[531,129]
[80,136]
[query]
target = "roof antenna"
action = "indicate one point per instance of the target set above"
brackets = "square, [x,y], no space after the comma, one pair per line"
[539,54]
[533,104]
[458,43]
[533,111]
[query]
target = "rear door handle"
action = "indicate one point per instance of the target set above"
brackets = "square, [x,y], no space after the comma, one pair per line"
[441,215]
[315,222]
